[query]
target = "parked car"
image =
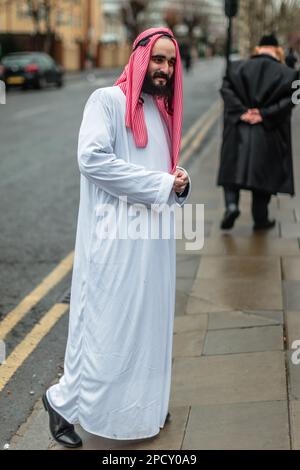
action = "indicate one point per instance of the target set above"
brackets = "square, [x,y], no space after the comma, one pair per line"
[30,69]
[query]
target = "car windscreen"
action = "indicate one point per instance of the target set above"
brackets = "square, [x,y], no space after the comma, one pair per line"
[18,60]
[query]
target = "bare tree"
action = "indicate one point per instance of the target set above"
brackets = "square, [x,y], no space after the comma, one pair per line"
[193,12]
[288,20]
[34,12]
[172,17]
[131,16]
[260,17]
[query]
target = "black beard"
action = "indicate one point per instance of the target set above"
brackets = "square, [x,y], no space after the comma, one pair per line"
[151,88]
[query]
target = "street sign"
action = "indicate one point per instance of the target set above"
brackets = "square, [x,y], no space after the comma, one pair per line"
[231,8]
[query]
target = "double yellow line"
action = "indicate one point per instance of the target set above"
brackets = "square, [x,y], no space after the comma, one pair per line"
[34,337]
[190,142]
[199,131]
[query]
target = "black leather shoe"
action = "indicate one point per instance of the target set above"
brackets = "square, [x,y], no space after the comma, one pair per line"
[266,225]
[229,219]
[61,430]
[168,418]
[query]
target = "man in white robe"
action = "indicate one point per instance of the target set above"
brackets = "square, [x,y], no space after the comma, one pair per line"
[117,373]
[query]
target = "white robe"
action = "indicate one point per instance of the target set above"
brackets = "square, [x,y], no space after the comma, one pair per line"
[117,375]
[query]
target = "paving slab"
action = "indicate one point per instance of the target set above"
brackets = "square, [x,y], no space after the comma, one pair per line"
[295,424]
[297,214]
[181,303]
[196,306]
[252,246]
[239,426]
[187,266]
[288,215]
[291,296]
[293,353]
[289,202]
[240,267]
[236,378]
[290,230]
[188,323]
[234,294]
[184,284]
[213,215]
[291,268]
[238,340]
[292,326]
[245,229]
[243,319]
[188,344]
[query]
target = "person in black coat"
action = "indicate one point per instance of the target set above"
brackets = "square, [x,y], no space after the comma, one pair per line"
[256,152]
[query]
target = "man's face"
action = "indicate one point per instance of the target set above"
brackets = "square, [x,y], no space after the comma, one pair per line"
[158,80]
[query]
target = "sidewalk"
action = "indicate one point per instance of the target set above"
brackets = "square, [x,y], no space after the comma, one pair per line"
[237,314]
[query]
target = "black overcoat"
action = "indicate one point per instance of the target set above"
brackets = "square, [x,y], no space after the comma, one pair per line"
[258,156]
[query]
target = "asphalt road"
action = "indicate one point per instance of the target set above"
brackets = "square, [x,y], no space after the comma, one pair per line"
[39,194]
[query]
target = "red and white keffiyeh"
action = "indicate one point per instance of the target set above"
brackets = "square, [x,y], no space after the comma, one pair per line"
[131,82]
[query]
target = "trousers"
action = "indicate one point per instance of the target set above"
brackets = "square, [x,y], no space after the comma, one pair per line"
[260,202]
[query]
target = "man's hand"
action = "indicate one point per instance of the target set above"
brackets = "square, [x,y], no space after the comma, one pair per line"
[181,181]
[252,116]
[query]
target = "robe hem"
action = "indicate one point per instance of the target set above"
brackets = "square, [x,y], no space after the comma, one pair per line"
[87,429]
[106,436]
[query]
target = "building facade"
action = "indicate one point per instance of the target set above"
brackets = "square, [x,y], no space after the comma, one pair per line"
[72,27]
[114,47]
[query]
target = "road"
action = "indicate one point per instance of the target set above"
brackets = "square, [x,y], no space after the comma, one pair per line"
[39,194]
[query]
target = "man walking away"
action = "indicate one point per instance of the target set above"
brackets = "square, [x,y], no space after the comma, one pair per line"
[256,152]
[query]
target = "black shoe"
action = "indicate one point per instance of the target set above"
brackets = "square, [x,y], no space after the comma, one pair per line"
[266,225]
[168,419]
[61,430]
[229,218]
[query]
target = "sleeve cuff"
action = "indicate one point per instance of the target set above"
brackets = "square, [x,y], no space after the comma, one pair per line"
[165,189]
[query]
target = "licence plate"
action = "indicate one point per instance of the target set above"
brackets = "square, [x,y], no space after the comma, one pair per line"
[15,80]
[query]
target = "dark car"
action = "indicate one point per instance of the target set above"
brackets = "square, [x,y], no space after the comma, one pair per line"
[30,69]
